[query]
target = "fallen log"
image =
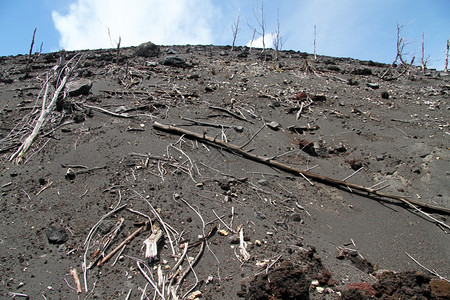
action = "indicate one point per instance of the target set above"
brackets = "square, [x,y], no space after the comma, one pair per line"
[298,172]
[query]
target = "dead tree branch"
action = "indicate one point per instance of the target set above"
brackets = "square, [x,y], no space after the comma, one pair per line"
[46,109]
[278,40]
[446,56]
[399,56]
[273,163]
[31,48]
[235,29]
[423,60]
[315,55]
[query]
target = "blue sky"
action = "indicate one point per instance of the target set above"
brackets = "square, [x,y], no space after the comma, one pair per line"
[362,29]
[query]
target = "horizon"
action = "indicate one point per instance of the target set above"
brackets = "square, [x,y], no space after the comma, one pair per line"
[349,29]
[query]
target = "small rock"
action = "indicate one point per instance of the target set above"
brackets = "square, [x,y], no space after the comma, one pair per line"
[352,81]
[364,71]
[209,89]
[340,148]
[385,95]
[222,232]
[174,61]
[106,225]
[275,104]
[380,157]
[301,96]
[319,98]
[260,215]
[78,118]
[56,236]
[440,288]
[320,289]
[224,185]
[243,54]
[262,182]
[355,164]
[296,217]
[79,87]
[234,239]
[282,224]
[171,51]
[273,125]
[70,174]
[147,50]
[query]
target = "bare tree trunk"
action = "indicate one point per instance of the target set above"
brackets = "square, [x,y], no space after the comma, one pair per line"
[31,48]
[423,53]
[400,45]
[118,51]
[253,39]
[235,30]
[278,40]
[263,25]
[446,56]
[315,56]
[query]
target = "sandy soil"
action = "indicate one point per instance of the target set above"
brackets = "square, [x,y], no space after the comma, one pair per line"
[99,152]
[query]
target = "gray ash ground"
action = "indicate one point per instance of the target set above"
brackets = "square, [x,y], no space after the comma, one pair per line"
[305,240]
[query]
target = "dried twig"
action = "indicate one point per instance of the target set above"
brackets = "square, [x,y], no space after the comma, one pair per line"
[88,240]
[430,271]
[351,175]
[253,136]
[126,241]
[46,186]
[230,113]
[14,295]
[119,115]
[197,122]
[149,279]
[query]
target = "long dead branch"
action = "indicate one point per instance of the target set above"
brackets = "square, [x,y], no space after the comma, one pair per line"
[295,171]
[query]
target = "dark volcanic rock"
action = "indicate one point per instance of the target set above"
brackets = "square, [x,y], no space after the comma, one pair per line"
[364,71]
[79,87]
[174,62]
[147,50]
[56,236]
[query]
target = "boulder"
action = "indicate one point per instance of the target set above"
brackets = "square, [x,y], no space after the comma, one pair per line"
[79,87]
[147,50]
[174,62]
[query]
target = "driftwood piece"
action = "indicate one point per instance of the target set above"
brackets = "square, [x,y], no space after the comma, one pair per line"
[295,171]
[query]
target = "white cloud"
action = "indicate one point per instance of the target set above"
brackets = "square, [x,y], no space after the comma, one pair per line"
[87,22]
[258,43]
